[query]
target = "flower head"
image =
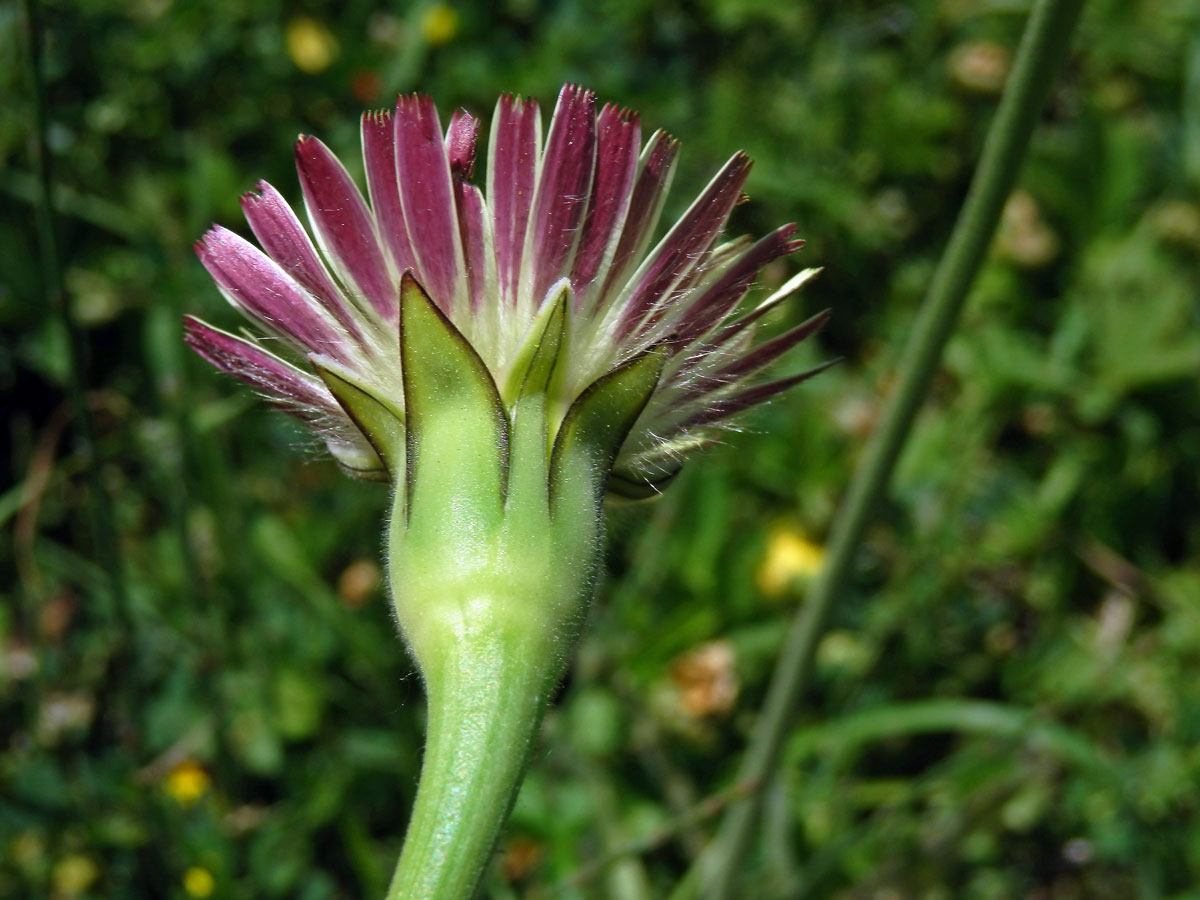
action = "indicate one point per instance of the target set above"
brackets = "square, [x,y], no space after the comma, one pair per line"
[567,223]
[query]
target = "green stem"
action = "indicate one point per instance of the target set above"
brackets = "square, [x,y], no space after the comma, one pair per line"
[485,702]
[490,613]
[1042,50]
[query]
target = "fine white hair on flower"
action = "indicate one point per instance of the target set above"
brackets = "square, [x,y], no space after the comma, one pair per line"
[571,213]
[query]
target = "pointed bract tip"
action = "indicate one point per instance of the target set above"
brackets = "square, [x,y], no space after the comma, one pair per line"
[408,281]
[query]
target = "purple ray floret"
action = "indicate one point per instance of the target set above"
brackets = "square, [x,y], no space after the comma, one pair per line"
[618,135]
[426,193]
[379,155]
[516,146]
[575,213]
[564,187]
[284,384]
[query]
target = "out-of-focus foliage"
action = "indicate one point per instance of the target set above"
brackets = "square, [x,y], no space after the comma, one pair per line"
[1007,702]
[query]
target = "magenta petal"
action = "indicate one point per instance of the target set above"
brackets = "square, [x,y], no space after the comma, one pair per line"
[686,243]
[513,153]
[298,393]
[379,156]
[480,259]
[344,225]
[720,409]
[461,139]
[766,353]
[255,283]
[723,296]
[657,166]
[618,136]
[428,199]
[285,240]
[731,330]
[563,187]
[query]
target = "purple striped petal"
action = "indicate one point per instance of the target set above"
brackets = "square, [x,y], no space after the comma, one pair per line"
[255,283]
[563,187]
[285,240]
[722,297]
[618,135]
[686,243]
[344,226]
[720,409]
[656,169]
[379,158]
[428,199]
[766,353]
[691,286]
[475,231]
[514,153]
[732,329]
[461,139]
[287,386]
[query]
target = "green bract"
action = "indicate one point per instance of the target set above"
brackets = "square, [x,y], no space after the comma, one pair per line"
[493,550]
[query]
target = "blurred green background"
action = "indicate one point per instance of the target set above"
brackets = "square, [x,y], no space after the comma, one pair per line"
[1008,701]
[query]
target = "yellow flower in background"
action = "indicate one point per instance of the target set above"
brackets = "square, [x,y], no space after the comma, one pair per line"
[439,24]
[73,875]
[187,783]
[311,45]
[790,556]
[198,882]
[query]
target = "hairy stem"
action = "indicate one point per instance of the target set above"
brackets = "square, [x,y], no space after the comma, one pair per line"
[493,549]
[485,702]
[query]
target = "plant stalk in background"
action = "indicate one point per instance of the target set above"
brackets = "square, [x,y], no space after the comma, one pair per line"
[504,360]
[1042,51]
